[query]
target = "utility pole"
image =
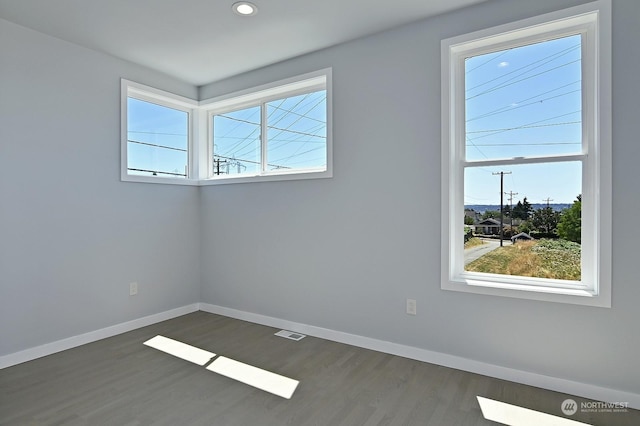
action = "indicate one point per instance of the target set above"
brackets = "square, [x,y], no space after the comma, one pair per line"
[501,203]
[216,165]
[511,194]
[547,224]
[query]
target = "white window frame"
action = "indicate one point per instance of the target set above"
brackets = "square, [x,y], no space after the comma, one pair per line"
[200,146]
[259,96]
[130,89]
[593,21]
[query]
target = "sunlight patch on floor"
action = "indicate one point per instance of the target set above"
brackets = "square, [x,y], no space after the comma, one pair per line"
[512,415]
[180,350]
[254,376]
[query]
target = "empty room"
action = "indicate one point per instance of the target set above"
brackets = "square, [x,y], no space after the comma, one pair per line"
[276,212]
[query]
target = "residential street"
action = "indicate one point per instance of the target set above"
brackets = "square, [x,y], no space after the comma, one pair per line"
[473,253]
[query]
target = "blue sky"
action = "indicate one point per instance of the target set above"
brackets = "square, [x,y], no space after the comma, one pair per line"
[150,126]
[524,102]
[296,136]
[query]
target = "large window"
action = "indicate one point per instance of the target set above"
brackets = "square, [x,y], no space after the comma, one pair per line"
[527,158]
[277,131]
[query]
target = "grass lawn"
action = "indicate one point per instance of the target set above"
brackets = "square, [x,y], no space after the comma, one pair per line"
[473,242]
[559,259]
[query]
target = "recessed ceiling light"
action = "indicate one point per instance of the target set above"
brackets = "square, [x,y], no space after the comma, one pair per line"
[244,8]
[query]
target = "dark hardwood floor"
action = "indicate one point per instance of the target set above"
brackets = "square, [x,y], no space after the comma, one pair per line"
[119,381]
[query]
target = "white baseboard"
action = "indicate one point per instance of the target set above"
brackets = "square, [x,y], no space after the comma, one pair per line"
[583,390]
[92,336]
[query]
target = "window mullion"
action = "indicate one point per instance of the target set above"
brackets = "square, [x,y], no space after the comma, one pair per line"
[263,137]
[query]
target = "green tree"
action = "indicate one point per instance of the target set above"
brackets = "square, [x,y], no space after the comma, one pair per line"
[523,210]
[525,226]
[468,220]
[491,214]
[570,225]
[545,219]
[506,209]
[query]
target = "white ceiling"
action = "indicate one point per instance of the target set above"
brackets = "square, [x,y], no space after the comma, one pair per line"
[200,41]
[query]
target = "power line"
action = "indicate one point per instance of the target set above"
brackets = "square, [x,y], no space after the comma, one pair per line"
[526,127]
[156,133]
[475,146]
[488,61]
[518,106]
[529,144]
[301,116]
[521,80]
[277,145]
[553,56]
[156,172]
[297,155]
[297,139]
[239,119]
[295,113]
[251,112]
[296,132]
[156,145]
[239,149]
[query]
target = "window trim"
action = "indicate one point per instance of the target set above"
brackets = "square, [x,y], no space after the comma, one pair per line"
[594,21]
[260,95]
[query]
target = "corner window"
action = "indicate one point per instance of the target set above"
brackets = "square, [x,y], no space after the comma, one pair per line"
[272,132]
[526,164]
[279,131]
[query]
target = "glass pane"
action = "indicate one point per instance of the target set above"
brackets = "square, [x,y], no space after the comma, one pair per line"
[525,101]
[297,132]
[540,220]
[236,142]
[157,140]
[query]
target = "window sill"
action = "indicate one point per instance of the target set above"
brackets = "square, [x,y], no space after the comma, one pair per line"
[302,175]
[157,179]
[576,296]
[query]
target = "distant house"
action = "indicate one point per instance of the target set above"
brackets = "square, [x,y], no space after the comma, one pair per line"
[471,213]
[523,236]
[488,226]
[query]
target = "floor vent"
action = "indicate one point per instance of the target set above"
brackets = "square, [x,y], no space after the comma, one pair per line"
[290,335]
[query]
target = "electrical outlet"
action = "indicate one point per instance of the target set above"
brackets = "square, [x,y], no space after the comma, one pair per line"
[411,306]
[133,289]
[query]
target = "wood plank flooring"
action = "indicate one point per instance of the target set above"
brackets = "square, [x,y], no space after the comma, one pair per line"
[119,381]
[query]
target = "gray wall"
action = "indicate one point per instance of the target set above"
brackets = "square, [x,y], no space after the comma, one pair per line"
[345,253]
[72,236]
